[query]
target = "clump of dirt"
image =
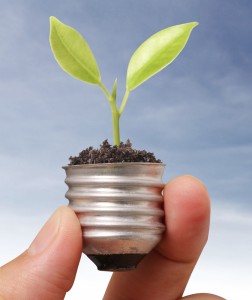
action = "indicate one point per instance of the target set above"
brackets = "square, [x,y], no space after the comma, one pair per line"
[113,154]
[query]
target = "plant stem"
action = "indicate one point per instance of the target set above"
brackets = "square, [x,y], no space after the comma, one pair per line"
[115,115]
[115,122]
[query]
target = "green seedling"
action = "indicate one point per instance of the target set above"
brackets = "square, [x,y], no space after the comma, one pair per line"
[75,57]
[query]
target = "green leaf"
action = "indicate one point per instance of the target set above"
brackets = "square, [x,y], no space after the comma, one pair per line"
[73,53]
[156,53]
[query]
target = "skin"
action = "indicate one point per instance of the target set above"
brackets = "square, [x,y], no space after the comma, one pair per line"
[47,269]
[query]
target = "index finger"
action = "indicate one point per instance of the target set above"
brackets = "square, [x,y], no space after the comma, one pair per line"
[164,273]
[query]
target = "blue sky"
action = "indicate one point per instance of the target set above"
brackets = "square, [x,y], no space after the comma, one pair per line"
[196,115]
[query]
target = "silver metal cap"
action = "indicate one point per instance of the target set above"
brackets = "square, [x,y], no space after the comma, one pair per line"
[120,207]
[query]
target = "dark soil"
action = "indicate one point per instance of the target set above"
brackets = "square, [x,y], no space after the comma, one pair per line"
[113,154]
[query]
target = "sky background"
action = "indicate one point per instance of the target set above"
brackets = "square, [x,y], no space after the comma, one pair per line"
[196,115]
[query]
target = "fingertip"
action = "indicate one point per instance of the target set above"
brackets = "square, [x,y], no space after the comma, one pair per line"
[189,195]
[59,261]
[69,246]
[187,215]
[62,224]
[66,252]
[187,183]
[70,221]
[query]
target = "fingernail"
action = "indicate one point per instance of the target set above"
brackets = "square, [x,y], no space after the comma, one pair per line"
[47,234]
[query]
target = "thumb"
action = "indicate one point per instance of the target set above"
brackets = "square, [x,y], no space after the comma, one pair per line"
[48,268]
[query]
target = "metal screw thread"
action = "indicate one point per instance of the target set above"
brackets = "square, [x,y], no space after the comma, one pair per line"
[120,205]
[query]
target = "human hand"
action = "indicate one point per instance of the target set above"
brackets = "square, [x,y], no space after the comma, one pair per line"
[164,273]
[47,269]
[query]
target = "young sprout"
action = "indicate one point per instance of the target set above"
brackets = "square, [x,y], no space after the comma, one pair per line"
[75,57]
